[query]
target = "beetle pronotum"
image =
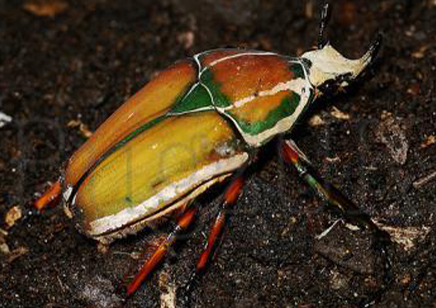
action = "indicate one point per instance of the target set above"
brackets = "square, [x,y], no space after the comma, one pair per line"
[196,124]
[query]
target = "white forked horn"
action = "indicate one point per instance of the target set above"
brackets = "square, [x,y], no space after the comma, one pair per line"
[329,64]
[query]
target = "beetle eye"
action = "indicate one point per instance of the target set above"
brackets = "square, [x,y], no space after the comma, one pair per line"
[329,87]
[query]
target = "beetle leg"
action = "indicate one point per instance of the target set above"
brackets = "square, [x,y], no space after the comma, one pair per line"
[182,224]
[49,196]
[336,200]
[326,191]
[230,197]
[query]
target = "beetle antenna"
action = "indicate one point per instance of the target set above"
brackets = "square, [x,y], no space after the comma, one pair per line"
[324,20]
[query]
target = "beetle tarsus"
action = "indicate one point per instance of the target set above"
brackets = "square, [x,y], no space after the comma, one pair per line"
[380,247]
[183,223]
[184,298]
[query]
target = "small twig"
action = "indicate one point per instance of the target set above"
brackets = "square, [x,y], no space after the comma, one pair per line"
[61,284]
[422,181]
[327,231]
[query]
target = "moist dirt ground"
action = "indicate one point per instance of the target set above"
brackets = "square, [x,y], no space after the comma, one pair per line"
[65,66]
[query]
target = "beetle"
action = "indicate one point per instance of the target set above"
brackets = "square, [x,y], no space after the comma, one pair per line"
[198,123]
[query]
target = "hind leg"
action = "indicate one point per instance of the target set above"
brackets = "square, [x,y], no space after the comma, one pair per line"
[182,224]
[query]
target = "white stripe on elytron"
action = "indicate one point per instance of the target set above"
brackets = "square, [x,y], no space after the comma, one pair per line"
[281,126]
[201,70]
[290,85]
[166,195]
[299,85]
[213,63]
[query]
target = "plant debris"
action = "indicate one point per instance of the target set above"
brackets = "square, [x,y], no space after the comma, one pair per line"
[83,128]
[406,237]
[168,290]
[16,253]
[335,112]
[4,248]
[391,133]
[12,216]
[316,120]
[422,181]
[4,119]
[45,8]
[430,140]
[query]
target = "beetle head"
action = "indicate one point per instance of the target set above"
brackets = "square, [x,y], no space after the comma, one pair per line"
[329,70]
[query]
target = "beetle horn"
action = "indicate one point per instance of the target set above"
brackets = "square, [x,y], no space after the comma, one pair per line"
[373,50]
[328,64]
[368,58]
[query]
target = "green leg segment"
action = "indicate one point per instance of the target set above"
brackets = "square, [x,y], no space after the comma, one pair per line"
[335,200]
[347,209]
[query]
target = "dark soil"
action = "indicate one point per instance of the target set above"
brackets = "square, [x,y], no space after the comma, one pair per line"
[85,59]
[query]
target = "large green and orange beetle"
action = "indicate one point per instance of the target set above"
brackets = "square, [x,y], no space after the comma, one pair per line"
[196,124]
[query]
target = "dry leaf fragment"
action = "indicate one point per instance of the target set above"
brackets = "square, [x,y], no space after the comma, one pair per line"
[422,181]
[47,8]
[16,253]
[339,114]
[420,53]
[428,142]
[4,119]
[332,159]
[406,279]
[83,128]
[187,39]
[168,291]
[308,10]
[316,120]
[391,133]
[4,248]
[12,216]
[407,236]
